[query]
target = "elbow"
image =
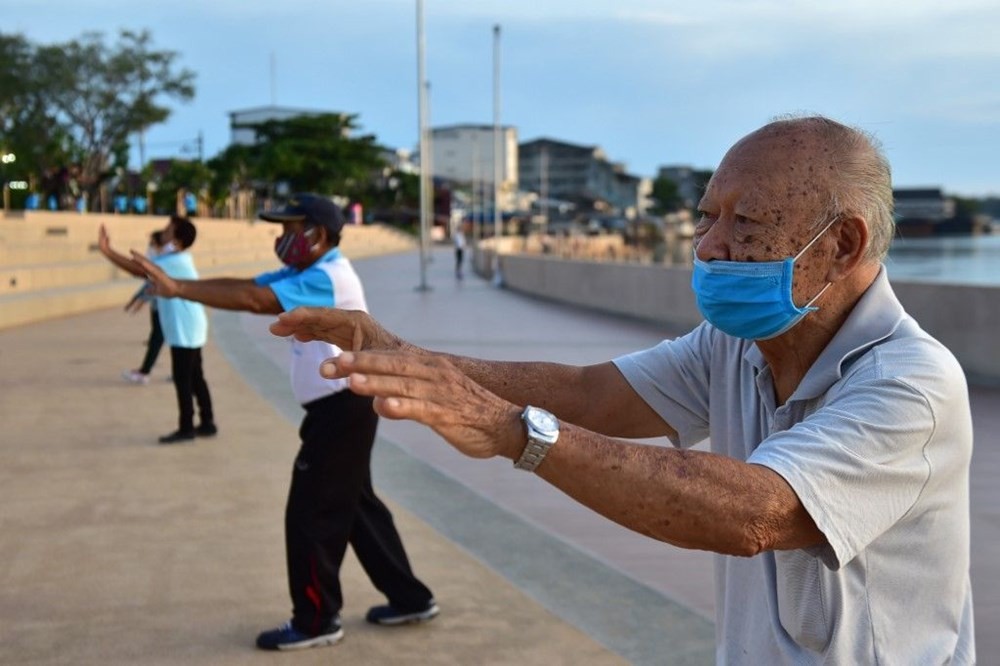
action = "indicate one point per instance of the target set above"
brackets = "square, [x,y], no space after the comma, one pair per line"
[257,307]
[758,534]
[752,541]
[262,306]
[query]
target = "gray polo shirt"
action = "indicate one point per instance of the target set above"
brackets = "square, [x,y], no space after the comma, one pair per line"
[876,441]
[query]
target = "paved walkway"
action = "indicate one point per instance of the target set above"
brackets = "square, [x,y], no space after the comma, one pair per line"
[118,551]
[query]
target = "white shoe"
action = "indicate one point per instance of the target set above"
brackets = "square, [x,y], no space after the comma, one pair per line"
[135,377]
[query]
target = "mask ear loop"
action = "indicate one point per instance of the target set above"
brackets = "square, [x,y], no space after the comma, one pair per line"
[816,237]
[803,251]
[308,232]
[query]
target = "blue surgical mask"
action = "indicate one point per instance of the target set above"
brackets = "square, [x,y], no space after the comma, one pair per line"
[748,299]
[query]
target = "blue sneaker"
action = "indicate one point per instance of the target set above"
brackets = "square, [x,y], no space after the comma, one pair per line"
[389,616]
[287,637]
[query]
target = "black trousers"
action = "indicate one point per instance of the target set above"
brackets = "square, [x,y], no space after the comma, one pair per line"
[189,383]
[331,503]
[154,343]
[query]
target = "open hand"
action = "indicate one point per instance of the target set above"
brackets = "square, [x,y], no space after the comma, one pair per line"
[348,329]
[430,390]
[161,284]
[103,239]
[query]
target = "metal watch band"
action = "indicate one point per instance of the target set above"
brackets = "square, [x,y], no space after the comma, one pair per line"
[542,429]
[532,455]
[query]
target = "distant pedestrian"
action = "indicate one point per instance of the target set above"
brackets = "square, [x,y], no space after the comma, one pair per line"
[458,238]
[185,329]
[143,296]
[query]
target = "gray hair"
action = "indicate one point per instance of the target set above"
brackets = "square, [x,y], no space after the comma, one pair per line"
[862,184]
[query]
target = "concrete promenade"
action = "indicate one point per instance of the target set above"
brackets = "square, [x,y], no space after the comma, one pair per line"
[117,551]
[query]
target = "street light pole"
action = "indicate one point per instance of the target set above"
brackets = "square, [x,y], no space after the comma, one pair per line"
[423,145]
[497,279]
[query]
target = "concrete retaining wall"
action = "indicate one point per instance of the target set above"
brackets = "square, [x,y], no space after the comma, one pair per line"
[966,319]
[50,265]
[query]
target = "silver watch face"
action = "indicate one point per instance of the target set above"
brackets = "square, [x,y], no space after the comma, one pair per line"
[541,420]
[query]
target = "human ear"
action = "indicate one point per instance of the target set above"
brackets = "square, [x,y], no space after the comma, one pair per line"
[851,235]
[319,237]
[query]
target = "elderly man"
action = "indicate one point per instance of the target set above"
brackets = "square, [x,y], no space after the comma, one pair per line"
[836,490]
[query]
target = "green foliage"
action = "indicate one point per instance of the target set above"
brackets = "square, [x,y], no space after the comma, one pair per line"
[667,196]
[189,175]
[966,207]
[311,153]
[28,128]
[80,100]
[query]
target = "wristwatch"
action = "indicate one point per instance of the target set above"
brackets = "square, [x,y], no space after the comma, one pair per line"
[543,432]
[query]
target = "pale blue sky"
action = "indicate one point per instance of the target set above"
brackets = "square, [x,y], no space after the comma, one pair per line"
[650,81]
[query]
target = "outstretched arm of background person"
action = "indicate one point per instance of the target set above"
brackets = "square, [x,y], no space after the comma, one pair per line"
[567,391]
[223,293]
[118,259]
[691,499]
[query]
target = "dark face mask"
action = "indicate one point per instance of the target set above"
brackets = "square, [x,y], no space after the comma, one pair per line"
[293,248]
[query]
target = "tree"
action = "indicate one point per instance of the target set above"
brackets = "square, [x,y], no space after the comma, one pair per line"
[100,95]
[190,175]
[667,196]
[28,128]
[309,153]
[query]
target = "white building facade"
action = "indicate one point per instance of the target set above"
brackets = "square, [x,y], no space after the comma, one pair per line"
[464,154]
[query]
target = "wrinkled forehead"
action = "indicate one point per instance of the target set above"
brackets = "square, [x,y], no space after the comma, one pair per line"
[782,171]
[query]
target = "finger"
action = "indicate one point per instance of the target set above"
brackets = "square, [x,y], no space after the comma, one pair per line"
[300,322]
[329,370]
[358,339]
[397,363]
[390,408]
[139,259]
[289,322]
[398,376]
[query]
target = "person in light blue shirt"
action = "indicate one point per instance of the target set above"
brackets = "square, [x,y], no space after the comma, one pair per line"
[184,326]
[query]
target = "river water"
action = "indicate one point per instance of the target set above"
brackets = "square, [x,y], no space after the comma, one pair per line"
[970,260]
[973,260]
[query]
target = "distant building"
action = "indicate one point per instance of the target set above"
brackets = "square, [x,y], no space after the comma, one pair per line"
[687,180]
[399,159]
[922,205]
[928,212]
[463,154]
[577,173]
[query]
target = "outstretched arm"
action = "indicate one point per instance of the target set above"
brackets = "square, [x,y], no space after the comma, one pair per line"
[118,259]
[223,293]
[615,410]
[691,499]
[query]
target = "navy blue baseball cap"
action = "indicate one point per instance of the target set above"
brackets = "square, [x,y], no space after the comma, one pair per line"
[312,209]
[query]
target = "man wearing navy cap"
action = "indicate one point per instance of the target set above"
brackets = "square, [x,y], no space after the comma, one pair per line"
[331,501]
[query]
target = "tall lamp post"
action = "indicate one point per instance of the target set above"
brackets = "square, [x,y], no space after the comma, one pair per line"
[497,168]
[424,146]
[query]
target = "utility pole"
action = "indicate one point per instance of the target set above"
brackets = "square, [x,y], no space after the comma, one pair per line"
[477,227]
[497,278]
[424,145]
[543,188]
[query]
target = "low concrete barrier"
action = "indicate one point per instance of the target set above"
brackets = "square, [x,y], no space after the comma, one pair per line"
[50,265]
[964,318]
